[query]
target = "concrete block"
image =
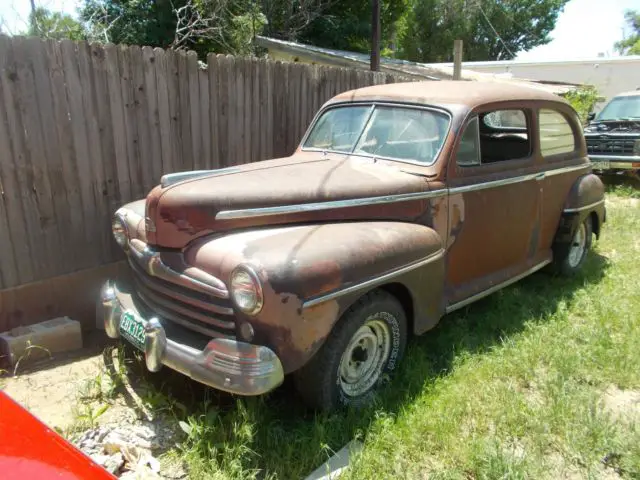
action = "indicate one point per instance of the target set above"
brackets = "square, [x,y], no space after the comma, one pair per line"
[40,340]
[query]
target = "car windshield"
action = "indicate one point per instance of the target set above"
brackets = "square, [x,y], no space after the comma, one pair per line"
[381,131]
[621,108]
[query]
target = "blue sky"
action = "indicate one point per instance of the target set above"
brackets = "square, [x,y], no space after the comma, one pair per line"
[585,28]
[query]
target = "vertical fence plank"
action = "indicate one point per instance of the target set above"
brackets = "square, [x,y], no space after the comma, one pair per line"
[194,110]
[263,119]
[164,114]
[14,236]
[204,126]
[214,87]
[269,153]
[173,88]
[225,91]
[186,159]
[151,90]
[236,141]
[256,134]
[95,162]
[281,107]
[130,122]
[139,112]
[120,149]
[247,136]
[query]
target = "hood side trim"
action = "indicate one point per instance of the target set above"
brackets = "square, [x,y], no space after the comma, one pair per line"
[312,207]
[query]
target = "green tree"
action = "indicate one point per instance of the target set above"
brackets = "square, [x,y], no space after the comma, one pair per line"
[55,25]
[631,44]
[490,29]
[346,25]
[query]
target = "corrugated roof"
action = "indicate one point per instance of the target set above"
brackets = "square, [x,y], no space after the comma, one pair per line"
[348,59]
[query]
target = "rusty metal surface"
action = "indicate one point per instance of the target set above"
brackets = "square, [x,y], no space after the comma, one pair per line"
[297,263]
[470,94]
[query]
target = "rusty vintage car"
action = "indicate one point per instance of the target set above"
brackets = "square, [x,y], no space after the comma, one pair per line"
[403,203]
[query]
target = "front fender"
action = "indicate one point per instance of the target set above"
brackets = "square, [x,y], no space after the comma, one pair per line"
[312,273]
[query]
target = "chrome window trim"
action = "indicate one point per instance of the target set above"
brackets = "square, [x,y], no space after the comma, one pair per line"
[375,104]
[495,288]
[585,207]
[373,281]
[173,178]
[312,207]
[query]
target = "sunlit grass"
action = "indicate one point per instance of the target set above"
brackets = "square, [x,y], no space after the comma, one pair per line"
[511,387]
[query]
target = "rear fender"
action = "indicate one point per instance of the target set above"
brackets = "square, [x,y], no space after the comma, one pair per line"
[585,198]
[311,274]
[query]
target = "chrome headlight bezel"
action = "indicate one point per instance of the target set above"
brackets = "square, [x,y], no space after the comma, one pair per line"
[120,230]
[241,277]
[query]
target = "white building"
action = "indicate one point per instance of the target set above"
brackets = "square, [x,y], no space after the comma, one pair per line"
[610,75]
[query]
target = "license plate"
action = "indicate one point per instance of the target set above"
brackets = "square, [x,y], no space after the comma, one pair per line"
[132,328]
[601,165]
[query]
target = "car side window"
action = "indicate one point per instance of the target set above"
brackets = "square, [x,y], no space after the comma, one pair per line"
[556,134]
[504,135]
[468,153]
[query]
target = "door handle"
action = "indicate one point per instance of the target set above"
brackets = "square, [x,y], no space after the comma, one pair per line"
[540,177]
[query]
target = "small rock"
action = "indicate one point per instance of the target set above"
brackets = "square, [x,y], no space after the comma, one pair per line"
[99,458]
[114,463]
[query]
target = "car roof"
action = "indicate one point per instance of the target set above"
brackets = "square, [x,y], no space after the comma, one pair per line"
[448,92]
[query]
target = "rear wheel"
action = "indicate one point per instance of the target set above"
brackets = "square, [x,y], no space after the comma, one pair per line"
[362,350]
[569,258]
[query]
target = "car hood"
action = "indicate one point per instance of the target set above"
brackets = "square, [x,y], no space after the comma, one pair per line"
[613,126]
[190,209]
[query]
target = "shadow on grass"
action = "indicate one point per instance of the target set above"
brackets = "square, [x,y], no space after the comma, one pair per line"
[277,435]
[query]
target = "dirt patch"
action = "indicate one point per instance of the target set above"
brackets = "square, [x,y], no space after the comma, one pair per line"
[88,397]
[623,202]
[622,405]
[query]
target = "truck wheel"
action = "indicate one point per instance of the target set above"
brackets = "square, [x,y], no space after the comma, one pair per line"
[568,258]
[364,347]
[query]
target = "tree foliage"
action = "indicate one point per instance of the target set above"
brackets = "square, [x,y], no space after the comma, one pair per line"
[418,30]
[631,44]
[490,29]
[44,23]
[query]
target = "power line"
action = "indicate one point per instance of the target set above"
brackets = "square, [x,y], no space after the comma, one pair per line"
[494,30]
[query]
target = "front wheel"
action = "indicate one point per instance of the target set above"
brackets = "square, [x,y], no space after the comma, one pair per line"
[362,350]
[569,258]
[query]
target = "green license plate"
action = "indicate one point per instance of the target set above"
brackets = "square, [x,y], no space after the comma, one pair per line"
[132,328]
[601,165]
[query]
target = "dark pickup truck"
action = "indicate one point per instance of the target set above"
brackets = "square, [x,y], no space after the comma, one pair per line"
[613,136]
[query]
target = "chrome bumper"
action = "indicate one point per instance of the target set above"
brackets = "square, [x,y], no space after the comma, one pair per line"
[229,365]
[618,162]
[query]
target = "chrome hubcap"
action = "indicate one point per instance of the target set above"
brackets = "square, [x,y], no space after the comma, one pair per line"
[578,246]
[365,357]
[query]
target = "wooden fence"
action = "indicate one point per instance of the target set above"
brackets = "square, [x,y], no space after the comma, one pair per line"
[85,128]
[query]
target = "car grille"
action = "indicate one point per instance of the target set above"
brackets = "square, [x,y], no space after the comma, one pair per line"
[613,146]
[197,311]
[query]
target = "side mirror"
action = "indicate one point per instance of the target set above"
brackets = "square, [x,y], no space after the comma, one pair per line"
[591,116]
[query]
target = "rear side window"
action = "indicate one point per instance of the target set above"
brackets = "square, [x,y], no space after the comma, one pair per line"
[556,134]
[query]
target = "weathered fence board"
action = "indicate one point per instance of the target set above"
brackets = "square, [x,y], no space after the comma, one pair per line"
[85,128]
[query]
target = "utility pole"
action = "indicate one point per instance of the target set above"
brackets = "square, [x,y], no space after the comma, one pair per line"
[32,18]
[375,35]
[457,59]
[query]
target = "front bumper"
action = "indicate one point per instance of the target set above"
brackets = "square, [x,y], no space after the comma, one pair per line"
[224,364]
[615,162]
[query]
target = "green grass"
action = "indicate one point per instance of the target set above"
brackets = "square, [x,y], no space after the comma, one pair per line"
[511,387]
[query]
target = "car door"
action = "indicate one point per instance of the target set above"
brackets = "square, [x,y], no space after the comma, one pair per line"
[495,191]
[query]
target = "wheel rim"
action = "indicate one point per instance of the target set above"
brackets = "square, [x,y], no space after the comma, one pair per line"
[364,358]
[578,246]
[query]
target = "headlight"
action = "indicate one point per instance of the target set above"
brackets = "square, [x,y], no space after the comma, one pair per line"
[246,290]
[120,232]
